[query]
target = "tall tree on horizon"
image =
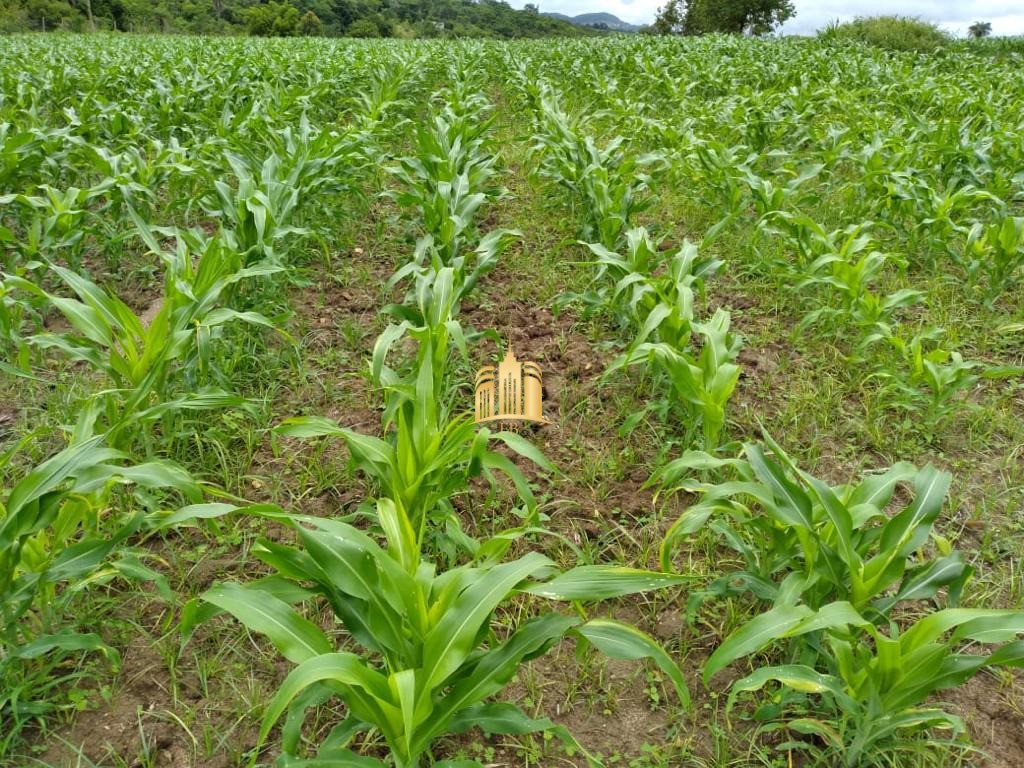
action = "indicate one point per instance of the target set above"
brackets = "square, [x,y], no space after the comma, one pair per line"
[980,29]
[698,17]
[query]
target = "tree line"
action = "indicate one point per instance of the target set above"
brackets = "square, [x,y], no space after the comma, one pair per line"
[285,18]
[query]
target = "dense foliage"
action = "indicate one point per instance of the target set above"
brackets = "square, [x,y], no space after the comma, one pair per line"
[286,18]
[898,33]
[699,17]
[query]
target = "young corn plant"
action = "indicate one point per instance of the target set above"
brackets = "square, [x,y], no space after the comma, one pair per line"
[930,383]
[22,152]
[846,263]
[611,185]
[833,565]
[806,238]
[428,455]
[154,367]
[699,386]
[801,539]
[937,212]
[428,262]
[770,197]
[17,313]
[259,212]
[870,697]
[428,661]
[58,223]
[449,179]
[137,176]
[380,105]
[432,323]
[447,182]
[429,459]
[61,530]
[649,290]
[726,170]
[996,254]
[849,274]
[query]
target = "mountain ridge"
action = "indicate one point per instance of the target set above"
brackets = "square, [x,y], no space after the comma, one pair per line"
[595,20]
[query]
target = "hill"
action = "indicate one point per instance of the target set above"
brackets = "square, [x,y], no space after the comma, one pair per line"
[288,18]
[596,20]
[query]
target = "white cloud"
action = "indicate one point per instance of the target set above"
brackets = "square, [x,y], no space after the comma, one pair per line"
[1006,15]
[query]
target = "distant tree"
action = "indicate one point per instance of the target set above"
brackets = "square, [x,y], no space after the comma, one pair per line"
[362,28]
[698,17]
[310,25]
[408,10]
[143,16]
[14,17]
[980,29]
[87,4]
[273,19]
[897,33]
[344,12]
[385,24]
[531,8]
[669,20]
[48,14]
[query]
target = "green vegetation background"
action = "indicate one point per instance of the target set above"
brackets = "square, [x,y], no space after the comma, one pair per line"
[286,18]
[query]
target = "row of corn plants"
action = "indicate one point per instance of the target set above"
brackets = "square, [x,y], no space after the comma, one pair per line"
[650,291]
[419,658]
[80,518]
[851,678]
[773,165]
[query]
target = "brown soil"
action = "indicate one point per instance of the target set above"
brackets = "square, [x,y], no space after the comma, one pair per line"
[994,717]
[8,419]
[141,705]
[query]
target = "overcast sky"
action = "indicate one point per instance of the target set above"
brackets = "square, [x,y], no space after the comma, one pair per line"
[1007,16]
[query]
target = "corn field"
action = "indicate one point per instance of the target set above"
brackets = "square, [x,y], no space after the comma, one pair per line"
[775,290]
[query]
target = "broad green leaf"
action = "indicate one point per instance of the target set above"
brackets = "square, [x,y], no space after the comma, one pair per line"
[935,625]
[367,686]
[214,510]
[336,758]
[794,507]
[65,640]
[524,448]
[905,532]
[309,426]
[780,622]
[498,717]
[446,647]
[297,639]
[997,627]
[75,562]
[495,669]
[622,641]
[53,472]
[400,534]
[797,677]
[603,582]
